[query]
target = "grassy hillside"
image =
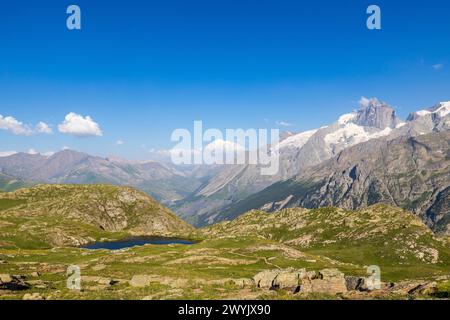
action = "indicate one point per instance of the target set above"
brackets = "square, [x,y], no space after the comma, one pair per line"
[380,235]
[58,215]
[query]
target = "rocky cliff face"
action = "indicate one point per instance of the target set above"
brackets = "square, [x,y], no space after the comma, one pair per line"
[377,114]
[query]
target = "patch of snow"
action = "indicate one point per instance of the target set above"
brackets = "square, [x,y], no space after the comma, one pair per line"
[444,109]
[422,113]
[382,133]
[346,118]
[352,134]
[296,141]
[7,153]
[349,134]
[401,124]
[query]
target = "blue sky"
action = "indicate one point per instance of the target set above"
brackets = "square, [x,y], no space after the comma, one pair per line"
[141,69]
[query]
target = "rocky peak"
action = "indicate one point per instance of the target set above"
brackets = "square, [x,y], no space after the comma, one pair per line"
[378,114]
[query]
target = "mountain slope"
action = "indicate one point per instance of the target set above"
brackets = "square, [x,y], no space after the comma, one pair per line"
[59,215]
[9,183]
[413,173]
[383,235]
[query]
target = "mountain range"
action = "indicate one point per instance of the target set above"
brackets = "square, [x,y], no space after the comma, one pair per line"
[369,155]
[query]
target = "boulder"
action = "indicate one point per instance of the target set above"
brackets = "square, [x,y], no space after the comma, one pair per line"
[13,282]
[265,278]
[327,281]
[289,279]
[5,278]
[32,296]
[139,281]
[355,283]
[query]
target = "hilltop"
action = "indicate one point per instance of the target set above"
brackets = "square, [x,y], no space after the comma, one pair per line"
[66,215]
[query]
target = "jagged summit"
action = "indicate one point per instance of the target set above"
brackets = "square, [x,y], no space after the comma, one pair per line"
[376,114]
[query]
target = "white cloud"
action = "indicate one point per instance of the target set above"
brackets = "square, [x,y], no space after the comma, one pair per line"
[42,127]
[119,142]
[32,151]
[6,153]
[65,148]
[224,145]
[14,126]
[438,66]
[283,123]
[80,126]
[366,102]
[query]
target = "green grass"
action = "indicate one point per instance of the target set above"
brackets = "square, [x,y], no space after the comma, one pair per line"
[10,203]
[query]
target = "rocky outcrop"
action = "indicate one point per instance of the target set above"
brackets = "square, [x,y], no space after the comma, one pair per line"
[327,281]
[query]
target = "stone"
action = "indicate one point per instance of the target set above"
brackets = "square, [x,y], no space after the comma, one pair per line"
[5,278]
[139,281]
[98,267]
[265,278]
[32,296]
[244,282]
[289,279]
[13,282]
[355,283]
[327,281]
[427,288]
[35,274]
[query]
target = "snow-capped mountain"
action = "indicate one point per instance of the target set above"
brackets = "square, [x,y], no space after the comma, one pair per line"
[297,152]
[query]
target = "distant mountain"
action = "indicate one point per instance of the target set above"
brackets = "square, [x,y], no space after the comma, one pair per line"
[9,183]
[409,172]
[166,183]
